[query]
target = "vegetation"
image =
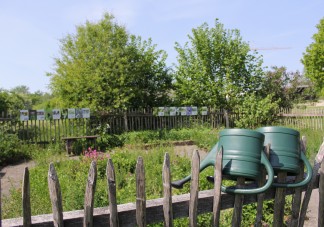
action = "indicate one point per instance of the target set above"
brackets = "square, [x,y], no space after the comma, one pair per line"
[313,59]
[216,68]
[104,67]
[125,162]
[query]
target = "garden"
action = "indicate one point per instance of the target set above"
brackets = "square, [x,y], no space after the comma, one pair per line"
[124,150]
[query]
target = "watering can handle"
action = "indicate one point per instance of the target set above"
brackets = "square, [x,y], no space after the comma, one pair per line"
[266,163]
[303,182]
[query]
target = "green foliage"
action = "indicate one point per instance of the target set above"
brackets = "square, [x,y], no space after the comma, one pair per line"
[104,67]
[256,111]
[202,136]
[313,59]
[216,64]
[11,148]
[287,87]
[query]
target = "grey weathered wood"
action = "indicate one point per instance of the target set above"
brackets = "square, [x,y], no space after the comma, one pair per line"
[321,197]
[260,196]
[154,209]
[89,195]
[26,198]
[111,182]
[311,185]
[55,195]
[0,204]
[194,188]
[167,192]
[140,193]
[238,204]
[295,208]
[279,205]
[217,187]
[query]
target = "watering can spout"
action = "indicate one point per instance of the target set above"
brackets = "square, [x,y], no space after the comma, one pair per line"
[209,160]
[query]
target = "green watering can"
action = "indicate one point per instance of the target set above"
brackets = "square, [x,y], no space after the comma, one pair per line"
[285,153]
[242,157]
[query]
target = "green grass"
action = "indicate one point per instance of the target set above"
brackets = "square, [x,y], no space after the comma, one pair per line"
[73,173]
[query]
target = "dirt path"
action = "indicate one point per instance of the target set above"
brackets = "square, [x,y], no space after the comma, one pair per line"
[11,176]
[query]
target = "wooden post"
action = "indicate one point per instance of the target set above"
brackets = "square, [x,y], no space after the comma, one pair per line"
[238,204]
[140,193]
[261,182]
[308,193]
[167,192]
[194,188]
[279,206]
[89,196]
[111,181]
[0,204]
[217,187]
[295,208]
[56,197]
[26,199]
[321,197]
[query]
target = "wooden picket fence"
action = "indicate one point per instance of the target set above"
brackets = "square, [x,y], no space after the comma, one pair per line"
[168,208]
[115,122]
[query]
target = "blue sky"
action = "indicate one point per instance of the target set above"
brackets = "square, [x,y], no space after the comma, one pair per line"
[31,30]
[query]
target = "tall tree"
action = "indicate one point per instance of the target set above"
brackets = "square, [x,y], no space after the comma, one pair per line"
[313,59]
[103,67]
[216,68]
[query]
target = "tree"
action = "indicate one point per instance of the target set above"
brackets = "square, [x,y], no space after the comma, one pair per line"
[104,67]
[313,59]
[216,68]
[10,102]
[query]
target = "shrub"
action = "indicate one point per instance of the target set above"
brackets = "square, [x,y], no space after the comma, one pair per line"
[11,148]
[255,111]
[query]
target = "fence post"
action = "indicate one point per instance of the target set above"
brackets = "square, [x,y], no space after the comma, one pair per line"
[0,204]
[56,197]
[321,197]
[26,199]
[238,204]
[261,182]
[167,192]
[279,205]
[89,195]
[217,187]
[111,181]
[295,208]
[194,188]
[308,193]
[140,193]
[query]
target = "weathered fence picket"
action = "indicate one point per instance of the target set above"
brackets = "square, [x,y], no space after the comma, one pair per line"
[194,189]
[217,187]
[140,193]
[295,209]
[26,198]
[279,205]
[238,204]
[317,164]
[89,195]
[167,192]
[111,183]
[261,182]
[56,196]
[321,197]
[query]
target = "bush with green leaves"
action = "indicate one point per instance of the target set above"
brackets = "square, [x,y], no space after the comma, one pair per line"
[255,111]
[11,148]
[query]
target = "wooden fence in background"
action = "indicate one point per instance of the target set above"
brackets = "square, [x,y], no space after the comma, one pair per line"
[116,122]
[168,208]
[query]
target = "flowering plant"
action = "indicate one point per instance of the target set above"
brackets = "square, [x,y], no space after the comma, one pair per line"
[93,154]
